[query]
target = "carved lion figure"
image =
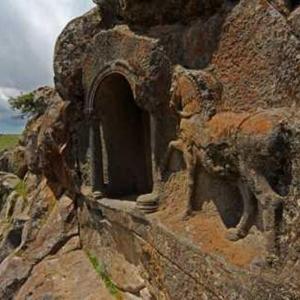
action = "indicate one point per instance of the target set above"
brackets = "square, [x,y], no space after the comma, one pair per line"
[250,149]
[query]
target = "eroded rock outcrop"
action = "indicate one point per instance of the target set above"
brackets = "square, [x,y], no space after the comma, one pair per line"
[37,213]
[39,231]
[70,51]
[217,81]
[225,73]
[13,161]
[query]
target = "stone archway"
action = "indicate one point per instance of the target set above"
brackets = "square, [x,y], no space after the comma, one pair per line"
[123,144]
[127,68]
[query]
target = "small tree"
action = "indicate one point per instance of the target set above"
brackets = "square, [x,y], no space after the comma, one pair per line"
[27,105]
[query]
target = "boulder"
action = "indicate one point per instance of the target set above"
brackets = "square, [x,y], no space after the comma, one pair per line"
[70,52]
[48,142]
[61,277]
[13,161]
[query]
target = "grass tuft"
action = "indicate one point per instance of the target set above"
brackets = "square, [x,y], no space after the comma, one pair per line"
[101,271]
[21,190]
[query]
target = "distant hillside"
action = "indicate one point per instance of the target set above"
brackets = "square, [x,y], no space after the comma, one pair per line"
[8,141]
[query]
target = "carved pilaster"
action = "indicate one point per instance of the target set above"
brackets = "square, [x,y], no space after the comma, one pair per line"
[149,203]
[97,179]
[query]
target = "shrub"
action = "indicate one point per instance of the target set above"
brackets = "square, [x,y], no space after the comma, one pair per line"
[27,105]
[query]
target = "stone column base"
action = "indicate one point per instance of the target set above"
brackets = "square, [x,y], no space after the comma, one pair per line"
[97,195]
[148,203]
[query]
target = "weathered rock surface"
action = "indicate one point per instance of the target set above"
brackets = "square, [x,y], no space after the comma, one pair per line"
[64,276]
[294,21]
[38,222]
[168,12]
[172,267]
[13,161]
[48,225]
[70,51]
[11,209]
[217,81]
[40,249]
[238,118]
[49,141]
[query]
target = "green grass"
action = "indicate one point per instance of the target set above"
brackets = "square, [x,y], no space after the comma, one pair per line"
[101,271]
[8,141]
[21,190]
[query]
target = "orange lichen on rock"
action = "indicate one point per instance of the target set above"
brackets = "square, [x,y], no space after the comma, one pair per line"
[206,229]
[224,125]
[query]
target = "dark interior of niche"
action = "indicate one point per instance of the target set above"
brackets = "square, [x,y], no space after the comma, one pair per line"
[294,4]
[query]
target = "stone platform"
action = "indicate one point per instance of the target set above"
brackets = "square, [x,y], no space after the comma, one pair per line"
[142,254]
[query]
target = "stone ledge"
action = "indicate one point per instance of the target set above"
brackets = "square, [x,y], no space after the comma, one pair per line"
[172,266]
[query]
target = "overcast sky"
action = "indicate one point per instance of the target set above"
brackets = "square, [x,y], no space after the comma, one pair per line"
[28,30]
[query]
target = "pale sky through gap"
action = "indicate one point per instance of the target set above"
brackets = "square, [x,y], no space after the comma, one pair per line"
[28,30]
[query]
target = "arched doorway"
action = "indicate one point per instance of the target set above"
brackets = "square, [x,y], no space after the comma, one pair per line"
[125,147]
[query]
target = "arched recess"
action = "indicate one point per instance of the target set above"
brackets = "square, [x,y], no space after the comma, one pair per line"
[126,68]
[125,139]
[141,60]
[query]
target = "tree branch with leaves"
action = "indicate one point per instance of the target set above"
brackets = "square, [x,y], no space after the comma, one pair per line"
[27,105]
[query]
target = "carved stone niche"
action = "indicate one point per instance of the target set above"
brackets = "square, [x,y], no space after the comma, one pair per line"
[127,82]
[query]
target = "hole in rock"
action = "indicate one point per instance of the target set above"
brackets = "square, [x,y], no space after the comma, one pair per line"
[15,238]
[125,136]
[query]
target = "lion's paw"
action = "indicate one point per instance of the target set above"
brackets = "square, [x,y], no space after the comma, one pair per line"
[233,234]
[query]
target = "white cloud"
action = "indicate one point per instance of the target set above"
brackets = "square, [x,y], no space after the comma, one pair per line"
[28,30]
[7,92]
[8,121]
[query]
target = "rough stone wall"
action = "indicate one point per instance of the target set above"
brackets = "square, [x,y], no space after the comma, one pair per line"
[168,266]
[250,47]
[263,66]
[70,51]
[235,101]
[40,249]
